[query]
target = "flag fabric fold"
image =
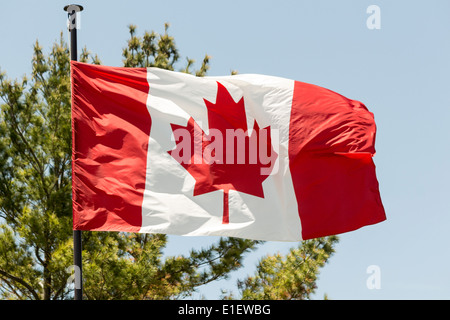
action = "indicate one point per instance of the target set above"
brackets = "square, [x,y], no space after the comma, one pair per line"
[248,156]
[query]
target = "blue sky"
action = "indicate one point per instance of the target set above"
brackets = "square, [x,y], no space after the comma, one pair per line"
[400,72]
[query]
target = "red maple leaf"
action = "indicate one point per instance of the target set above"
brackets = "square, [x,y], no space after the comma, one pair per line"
[228,158]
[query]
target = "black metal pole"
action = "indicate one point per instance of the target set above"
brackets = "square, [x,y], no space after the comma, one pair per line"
[77,261]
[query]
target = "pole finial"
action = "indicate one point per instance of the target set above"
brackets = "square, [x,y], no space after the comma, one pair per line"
[70,7]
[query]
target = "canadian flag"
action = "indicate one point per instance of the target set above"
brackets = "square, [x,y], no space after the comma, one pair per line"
[249,156]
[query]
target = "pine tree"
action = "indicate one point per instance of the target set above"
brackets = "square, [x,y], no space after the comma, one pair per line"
[290,277]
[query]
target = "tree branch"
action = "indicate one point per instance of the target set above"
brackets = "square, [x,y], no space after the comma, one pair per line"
[22,282]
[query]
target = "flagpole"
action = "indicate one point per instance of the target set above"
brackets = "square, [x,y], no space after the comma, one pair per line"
[72,11]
